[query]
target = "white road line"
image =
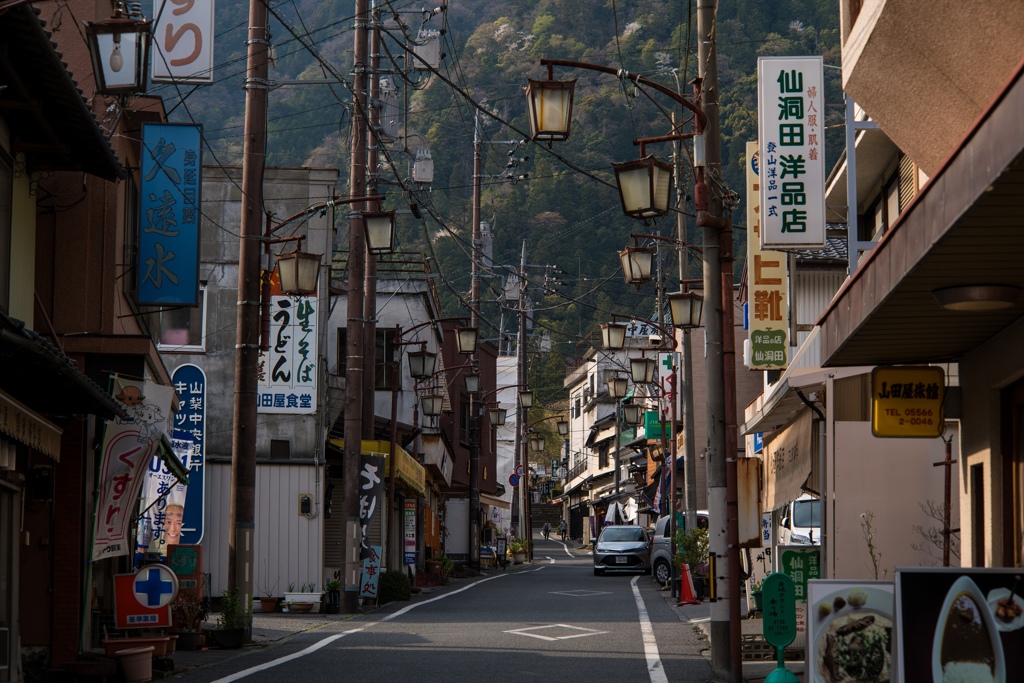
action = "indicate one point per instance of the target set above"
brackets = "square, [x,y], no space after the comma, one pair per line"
[301,653]
[330,639]
[655,669]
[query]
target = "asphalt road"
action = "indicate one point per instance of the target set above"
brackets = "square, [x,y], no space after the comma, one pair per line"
[552,620]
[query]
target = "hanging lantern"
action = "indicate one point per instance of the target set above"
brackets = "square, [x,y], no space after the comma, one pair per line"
[686,309]
[299,272]
[466,338]
[637,263]
[644,187]
[563,427]
[631,413]
[643,370]
[380,231]
[432,404]
[422,364]
[497,416]
[550,107]
[617,387]
[472,383]
[613,336]
[119,48]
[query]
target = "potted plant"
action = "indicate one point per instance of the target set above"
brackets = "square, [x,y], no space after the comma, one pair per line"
[233,621]
[306,599]
[189,612]
[517,546]
[447,567]
[333,591]
[692,546]
[268,602]
[755,593]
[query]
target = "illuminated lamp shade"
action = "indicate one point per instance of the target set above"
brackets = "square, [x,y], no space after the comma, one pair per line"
[644,187]
[643,369]
[550,107]
[472,383]
[422,364]
[617,387]
[631,413]
[299,272]
[380,231]
[466,338]
[977,297]
[636,265]
[119,49]
[497,416]
[563,427]
[613,336]
[686,309]
[432,404]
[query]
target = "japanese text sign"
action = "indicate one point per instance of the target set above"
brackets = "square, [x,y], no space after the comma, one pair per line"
[800,563]
[371,495]
[183,41]
[410,532]
[130,613]
[371,574]
[791,133]
[169,202]
[779,610]
[907,401]
[288,371]
[766,277]
[190,428]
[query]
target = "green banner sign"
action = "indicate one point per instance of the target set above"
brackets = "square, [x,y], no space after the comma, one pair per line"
[779,610]
[801,564]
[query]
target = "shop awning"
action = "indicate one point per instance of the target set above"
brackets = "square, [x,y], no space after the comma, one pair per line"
[27,427]
[495,501]
[787,462]
[407,470]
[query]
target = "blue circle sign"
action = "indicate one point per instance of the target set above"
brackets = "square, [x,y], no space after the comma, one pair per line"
[513,479]
[155,585]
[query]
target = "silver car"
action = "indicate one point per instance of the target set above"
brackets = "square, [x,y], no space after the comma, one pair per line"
[661,546]
[622,548]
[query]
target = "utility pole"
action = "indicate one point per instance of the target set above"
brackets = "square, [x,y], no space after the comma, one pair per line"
[370,271]
[242,512]
[474,305]
[521,413]
[717,232]
[354,372]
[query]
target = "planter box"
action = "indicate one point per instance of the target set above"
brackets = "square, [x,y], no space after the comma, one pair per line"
[114,645]
[302,597]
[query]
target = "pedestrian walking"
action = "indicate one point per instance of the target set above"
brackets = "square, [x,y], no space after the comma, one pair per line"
[563,528]
[547,530]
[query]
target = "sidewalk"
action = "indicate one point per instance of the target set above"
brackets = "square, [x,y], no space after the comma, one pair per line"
[754,664]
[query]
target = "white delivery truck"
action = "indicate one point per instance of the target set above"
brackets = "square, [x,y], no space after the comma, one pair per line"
[800,523]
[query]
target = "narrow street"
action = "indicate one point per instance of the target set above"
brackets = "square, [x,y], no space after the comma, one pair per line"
[550,620]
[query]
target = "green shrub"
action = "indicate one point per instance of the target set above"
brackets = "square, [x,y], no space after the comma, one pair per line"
[394,586]
[692,549]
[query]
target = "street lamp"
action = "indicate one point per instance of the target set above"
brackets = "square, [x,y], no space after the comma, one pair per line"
[563,427]
[644,186]
[497,416]
[526,398]
[613,336]
[643,370]
[631,413]
[550,106]
[422,364]
[637,263]
[119,48]
[472,383]
[686,309]
[380,231]
[537,443]
[431,404]
[618,386]
[466,338]
[299,272]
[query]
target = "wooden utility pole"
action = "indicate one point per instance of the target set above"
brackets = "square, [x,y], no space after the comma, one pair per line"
[242,511]
[354,372]
[475,409]
[721,400]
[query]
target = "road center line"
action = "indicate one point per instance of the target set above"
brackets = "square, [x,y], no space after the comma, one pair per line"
[655,669]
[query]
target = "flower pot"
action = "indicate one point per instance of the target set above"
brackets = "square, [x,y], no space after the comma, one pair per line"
[189,640]
[114,645]
[268,604]
[756,595]
[172,644]
[136,663]
[518,558]
[303,606]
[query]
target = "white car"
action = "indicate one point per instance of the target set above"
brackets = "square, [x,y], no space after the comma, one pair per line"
[661,547]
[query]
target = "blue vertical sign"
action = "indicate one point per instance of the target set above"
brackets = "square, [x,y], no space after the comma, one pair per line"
[168,266]
[190,425]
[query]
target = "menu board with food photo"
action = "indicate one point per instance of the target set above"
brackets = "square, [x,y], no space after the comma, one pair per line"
[960,624]
[850,631]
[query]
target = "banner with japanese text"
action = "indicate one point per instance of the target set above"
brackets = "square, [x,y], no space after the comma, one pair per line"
[791,134]
[190,426]
[787,462]
[183,41]
[161,507]
[288,371]
[371,495]
[128,445]
[169,202]
[766,277]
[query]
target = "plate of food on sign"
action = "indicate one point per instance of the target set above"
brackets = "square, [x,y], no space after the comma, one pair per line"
[853,636]
[1007,608]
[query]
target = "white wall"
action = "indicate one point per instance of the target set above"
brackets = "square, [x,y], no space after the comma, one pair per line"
[891,478]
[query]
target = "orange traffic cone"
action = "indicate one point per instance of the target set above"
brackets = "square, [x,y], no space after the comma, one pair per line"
[687,596]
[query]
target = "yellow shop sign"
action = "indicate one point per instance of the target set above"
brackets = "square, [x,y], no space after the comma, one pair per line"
[906,401]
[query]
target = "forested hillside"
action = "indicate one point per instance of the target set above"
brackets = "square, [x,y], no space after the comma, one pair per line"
[567,211]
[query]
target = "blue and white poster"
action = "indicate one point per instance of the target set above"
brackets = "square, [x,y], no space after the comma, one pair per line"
[189,430]
[169,201]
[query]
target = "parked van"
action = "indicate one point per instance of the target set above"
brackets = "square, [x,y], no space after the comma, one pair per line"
[801,521]
[661,546]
